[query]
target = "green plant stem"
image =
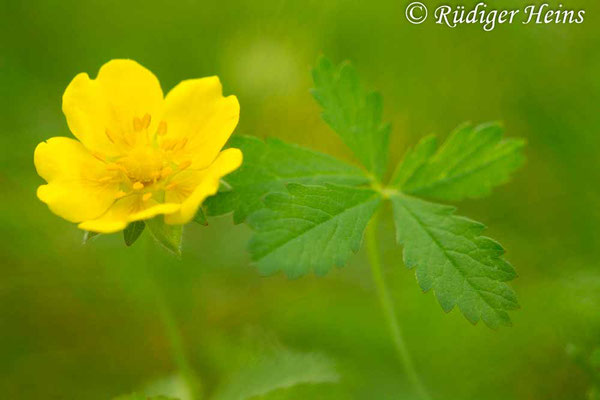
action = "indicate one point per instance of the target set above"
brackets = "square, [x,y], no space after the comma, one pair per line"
[388,310]
[172,330]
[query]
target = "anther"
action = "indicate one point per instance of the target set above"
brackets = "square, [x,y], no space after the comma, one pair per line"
[137,124]
[120,194]
[105,179]
[146,196]
[141,123]
[166,172]
[162,128]
[155,175]
[138,186]
[146,121]
[170,186]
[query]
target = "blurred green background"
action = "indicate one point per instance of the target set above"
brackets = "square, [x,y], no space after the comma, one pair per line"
[78,321]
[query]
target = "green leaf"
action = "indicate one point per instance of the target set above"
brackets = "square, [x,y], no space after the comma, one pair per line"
[354,114]
[413,160]
[268,167]
[278,370]
[169,236]
[133,232]
[322,391]
[173,386]
[470,163]
[138,396]
[310,228]
[450,257]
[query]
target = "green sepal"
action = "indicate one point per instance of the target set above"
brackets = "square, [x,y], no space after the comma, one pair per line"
[200,217]
[133,232]
[88,235]
[169,236]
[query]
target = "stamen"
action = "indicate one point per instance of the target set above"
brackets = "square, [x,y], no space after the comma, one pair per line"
[120,194]
[99,156]
[109,135]
[166,172]
[169,144]
[137,124]
[184,165]
[116,167]
[170,186]
[182,143]
[105,179]
[138,186]
[146,120]
[146,196]
[155,175]
[126,139]
[162,128]
[141,123]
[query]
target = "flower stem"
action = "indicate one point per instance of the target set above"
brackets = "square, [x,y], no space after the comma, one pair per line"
[178,351]
[389,312]
[172,331]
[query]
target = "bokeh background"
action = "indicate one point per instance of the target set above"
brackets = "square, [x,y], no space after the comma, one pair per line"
[79,322]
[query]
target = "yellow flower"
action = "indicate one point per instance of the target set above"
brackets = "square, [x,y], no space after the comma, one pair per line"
[139,154]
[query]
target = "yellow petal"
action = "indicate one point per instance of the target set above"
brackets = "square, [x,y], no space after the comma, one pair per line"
[101,112]
[126,210]
[192,187]
[77,187]
[200,119]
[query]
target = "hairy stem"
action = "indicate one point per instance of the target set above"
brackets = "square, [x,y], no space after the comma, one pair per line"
[172,330]
[388,310]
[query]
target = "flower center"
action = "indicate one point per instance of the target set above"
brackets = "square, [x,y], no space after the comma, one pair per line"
[143,164]
[147,164]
